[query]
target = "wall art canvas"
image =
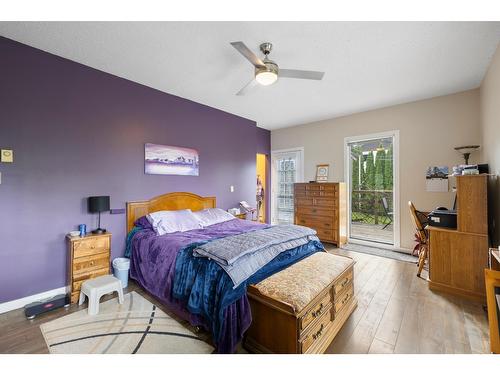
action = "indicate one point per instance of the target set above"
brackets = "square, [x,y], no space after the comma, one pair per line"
[437,179]
[170,160]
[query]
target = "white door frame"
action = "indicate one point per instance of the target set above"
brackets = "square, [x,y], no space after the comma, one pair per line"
[300,174]
[396,203]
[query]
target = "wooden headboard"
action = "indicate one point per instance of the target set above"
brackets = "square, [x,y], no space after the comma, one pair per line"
[167,202]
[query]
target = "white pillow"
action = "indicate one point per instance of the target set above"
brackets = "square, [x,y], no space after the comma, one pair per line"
[164,222]
[212,216]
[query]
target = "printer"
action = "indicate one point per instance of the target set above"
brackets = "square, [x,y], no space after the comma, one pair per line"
[442,217]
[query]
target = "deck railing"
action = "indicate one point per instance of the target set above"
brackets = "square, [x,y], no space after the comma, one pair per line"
[367,206]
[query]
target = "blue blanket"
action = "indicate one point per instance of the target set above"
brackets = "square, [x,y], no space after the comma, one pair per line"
[207,289]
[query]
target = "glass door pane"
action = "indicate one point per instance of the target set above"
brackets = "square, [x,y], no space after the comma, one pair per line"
[371,173]
[285,173]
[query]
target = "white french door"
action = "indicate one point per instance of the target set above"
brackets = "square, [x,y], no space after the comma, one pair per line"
[287,168]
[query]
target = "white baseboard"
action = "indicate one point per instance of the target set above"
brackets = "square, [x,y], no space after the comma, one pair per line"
[21,302]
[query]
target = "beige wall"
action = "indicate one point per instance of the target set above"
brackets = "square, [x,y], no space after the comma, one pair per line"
[490,131]
[428,131]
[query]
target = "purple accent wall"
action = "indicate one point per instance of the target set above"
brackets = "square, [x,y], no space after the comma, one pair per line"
[78,132]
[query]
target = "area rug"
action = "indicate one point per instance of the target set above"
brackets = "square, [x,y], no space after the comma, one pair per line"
[136,326]
[393,254]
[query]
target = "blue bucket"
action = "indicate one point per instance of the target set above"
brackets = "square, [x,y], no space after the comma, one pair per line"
[120,270]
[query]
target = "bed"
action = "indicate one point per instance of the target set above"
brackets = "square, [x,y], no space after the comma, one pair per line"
[197,289]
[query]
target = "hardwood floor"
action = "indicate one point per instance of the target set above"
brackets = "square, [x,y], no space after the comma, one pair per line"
[396,313]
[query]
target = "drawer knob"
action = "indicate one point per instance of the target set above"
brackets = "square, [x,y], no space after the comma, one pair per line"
[91,263]
[346,298]
[344,283]
[318,334]
[92,247]
[318,312]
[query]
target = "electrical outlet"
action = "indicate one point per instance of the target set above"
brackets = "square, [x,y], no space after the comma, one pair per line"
[231,189]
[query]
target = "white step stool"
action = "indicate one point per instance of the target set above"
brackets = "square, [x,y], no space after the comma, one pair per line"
[95,288]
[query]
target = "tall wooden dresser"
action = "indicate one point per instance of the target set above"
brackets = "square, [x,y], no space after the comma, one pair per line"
[88,258]
[322,206]
[459,256]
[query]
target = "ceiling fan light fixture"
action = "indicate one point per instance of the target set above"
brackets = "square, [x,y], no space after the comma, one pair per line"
[266,78]
[267,74]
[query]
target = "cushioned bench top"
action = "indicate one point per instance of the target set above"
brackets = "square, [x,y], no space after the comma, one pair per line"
[300,283]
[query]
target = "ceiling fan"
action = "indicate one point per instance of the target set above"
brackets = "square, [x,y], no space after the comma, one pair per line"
[267,71]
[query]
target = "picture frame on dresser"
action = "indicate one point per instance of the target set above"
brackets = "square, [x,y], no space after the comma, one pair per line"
[322,172]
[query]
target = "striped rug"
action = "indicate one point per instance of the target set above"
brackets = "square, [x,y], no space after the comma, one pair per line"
[136,326]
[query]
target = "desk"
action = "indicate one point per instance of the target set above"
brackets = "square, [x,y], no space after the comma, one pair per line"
[457,262]
[459,256]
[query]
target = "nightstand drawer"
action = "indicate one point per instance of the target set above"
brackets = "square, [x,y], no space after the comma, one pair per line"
[90,264]
[78,281]
[89,246]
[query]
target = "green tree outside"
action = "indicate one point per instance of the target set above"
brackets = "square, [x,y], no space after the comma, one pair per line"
[379,169]
[369,181]
[388,170]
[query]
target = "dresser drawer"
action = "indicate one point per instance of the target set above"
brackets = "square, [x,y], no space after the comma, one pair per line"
[90,246]
[344,298]
[310,187]
[316,211]
[78,281]
[341,284]
[314,222]
[320,193]
[324,202]
[317,329]
[314,312]
[303,201]
[90,264]
[326,234]
[320,187]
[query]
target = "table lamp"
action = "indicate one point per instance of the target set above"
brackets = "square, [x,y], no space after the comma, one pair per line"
[466,151]
[98,204]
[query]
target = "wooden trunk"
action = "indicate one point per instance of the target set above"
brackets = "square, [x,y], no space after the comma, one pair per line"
[278,328]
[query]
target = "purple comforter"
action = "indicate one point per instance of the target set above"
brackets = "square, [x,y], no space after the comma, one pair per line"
[153,265]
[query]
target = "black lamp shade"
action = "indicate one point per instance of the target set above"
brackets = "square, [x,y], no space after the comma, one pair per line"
[98,204]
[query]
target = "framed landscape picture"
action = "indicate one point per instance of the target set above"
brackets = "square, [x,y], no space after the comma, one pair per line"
[170,160]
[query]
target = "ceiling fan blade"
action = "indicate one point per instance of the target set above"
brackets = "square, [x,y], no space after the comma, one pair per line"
[245,51]
[301,74]
[249,86]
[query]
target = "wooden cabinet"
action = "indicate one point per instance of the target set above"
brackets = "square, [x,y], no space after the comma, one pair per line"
[89,257]
[322,207]
[458,257]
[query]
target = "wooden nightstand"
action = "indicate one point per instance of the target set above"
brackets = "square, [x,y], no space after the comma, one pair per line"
[88,258]
[241,216]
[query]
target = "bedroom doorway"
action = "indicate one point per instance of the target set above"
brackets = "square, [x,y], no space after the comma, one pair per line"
[372,181]
[261,192]
[287,168]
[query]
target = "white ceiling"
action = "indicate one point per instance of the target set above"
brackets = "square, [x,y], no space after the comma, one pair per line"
[368,65]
